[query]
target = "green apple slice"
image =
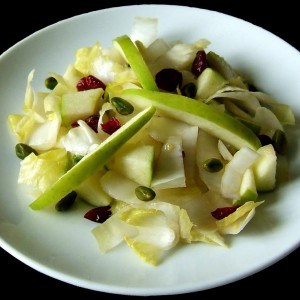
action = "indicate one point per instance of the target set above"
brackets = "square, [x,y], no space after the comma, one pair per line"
[134,162]
[193,112]
[248,190]
[93,161]
[80,105]
[208,83]
[264,169]
[136,62]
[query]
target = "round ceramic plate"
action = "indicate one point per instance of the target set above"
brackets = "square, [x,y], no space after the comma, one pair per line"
[61,245]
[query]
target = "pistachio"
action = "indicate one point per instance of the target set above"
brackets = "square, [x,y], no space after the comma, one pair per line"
[122,106]
[213,165]
[23,150]
[144,193]
[50,83]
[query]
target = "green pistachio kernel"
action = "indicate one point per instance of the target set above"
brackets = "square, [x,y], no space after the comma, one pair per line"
[23,150]
[213,165]
[122,106]
[76,159]
[50,83]
[144,193]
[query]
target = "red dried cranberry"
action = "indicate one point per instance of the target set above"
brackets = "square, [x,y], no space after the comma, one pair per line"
[89,82]
[199,63]
[92,121]
[75,124]
[111,125]
[222,212]
[99,214]
[168,79]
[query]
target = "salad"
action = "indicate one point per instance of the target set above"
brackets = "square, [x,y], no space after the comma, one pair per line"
[165,141]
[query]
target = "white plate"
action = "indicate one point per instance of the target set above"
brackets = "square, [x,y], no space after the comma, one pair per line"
[61,246]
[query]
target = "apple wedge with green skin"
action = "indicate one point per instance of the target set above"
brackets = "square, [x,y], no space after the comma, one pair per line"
[134,162]
[193,112]
[92,161]
[135,59]
[80,105]
[264,169]
[208,83]
[248,190]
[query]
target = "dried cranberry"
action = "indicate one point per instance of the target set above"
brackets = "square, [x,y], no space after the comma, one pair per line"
[222,212]
[75,124]
[92,121]
[99,214]
[199,63]
[89,82]
[111,125]
[168,79]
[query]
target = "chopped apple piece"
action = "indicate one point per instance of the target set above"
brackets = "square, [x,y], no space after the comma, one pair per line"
[248,190]
[80,105]
[265,169]
[135,162]
[208,83]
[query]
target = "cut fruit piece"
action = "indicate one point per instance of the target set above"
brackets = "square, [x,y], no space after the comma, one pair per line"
[248,190]
[134,162]
[196,113]
[169,171]
[136,62]
[80,105]
[264,169]
[91,191]
[92,161]
[208,83]
[234,171]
